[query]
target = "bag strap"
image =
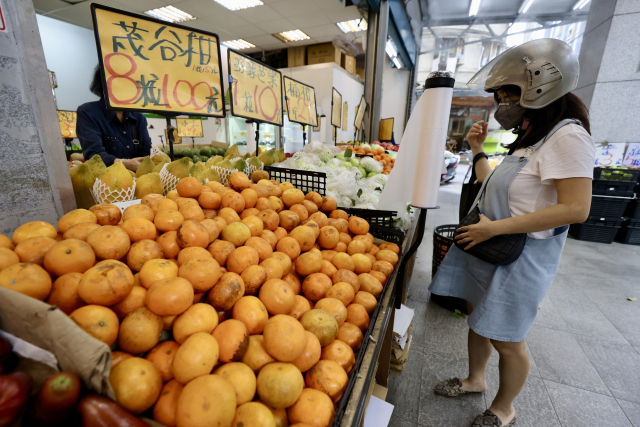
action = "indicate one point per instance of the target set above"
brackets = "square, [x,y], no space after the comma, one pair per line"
[134,135]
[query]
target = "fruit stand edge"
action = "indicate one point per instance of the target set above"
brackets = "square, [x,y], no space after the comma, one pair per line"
[356,407]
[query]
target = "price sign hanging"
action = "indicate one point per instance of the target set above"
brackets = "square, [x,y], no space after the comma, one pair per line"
[609,155]
[632,157]
[152,65]
[256,89]
[301,102]
[67,121]
[190,127]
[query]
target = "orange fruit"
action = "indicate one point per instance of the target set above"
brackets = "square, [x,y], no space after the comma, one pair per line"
[6,243]
[292,197]
[290,247]
[233,338]
[212,228]
[329,237]
[315,286]
[322,324]
[69,256]
[284,338]
[119,356]
[228,215]
[341,353]
[314,198]
[109,242]
[333,306]
[368,243]
[358,225]
[311,354]
[277,297]
[280,384]
[106,284]
[308,263]
[270,237]
[64,293]
[270,219]
[273,268]
[345,237]
[140,331]
[164,410]
[209,400]
[242,378]
[328,377]
[310,207]
[250,197]
[156,270]
[387,255]
[253,276]
[74,217]
[233,201]
[34,229]
[320,219]
[390,246]
[381,277]
[313,408]
[134,300]
[236,233]
[361,263]
[370,284]
[357,315]
[252,312]
[198,318]
[151,199]
[164,204]
[195,357]
[189,187]
[143,251]
[136,384]
[169,244]
[168,220]
[202,273]
[192,211]
[209,200]
[220,251]
[194,252]
[32,250]
[161,356]
[305,236]
[170,297]
[384,267]
[28,279]
[301,211]
[280,233]
[99,322]
[346,276]
[255,224]
[254,414]
[139,229]
[256,356]
[9,257]
[343,292]
[301,306]
[327,268]
[328,204]
[288,220]
[356,247]
[137,211]
[366,300]
[192,233]
[106,214]
[339,213]
[228,290]
[343,261]
[242,258]
[80,231]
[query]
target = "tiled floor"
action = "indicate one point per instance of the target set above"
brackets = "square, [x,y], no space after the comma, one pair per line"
[584,346]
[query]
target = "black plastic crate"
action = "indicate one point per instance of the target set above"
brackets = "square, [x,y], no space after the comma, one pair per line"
[601,230]
[629,235]
[633,209]
[609,187]
[388,234]
[70,152]
[307,181]
[374,216]
[617,174]
[633,223]
[608,206]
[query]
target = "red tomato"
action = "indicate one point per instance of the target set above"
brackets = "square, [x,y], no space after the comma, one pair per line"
[13,396]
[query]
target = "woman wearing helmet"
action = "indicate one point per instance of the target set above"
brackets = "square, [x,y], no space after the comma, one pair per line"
[540,187]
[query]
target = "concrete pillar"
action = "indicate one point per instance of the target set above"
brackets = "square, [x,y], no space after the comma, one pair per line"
[610,69]
[375,58]
[34,178]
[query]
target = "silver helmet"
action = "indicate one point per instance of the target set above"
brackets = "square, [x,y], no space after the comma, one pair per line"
[544,69]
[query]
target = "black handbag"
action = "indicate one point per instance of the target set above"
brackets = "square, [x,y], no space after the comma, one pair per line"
[470,189]
[498,250]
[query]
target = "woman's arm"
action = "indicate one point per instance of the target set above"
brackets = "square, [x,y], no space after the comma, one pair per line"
[476,136]
[574,202]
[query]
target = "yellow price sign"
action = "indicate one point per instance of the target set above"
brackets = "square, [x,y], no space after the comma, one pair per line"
[336,108]
[256,89]
[301,102]
[152,65]
[190,127]
[67,121]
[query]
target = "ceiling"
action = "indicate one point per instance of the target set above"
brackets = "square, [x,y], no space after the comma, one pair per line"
[317,18]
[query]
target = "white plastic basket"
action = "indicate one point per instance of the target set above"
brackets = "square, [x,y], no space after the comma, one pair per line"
[169,182]
[104,195]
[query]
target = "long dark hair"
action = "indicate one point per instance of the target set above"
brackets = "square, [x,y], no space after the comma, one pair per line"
[96,83]
[543,120]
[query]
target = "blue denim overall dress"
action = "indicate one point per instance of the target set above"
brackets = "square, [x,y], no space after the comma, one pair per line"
[505,299]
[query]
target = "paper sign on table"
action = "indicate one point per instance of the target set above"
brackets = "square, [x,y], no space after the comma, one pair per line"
[609,155]
[632,157]
[402,320]
[378,413]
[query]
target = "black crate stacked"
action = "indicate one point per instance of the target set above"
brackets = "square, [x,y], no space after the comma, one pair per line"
[630,231]
[613,190]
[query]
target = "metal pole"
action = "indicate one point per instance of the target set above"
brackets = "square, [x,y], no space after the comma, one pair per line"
[170,137]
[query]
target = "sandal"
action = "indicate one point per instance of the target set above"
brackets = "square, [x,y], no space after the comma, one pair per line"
[451,388]
[489,419]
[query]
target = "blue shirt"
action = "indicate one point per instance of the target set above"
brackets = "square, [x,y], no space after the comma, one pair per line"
[101,132]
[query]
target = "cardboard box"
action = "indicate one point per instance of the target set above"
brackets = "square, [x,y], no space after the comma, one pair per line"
[216,144]
[297,56]
[84,199]
[323,53]
[360,72]
[349,64]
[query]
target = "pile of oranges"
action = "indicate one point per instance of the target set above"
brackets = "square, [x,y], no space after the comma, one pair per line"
[378,153]
[264,293]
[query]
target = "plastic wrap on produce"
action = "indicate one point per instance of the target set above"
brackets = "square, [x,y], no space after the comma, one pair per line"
[371,165]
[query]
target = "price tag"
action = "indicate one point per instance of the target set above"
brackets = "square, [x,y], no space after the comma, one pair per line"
[632,157]
[609,155]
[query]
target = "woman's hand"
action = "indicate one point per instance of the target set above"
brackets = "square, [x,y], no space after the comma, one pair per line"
[476,136]
[476,233]
[131,164]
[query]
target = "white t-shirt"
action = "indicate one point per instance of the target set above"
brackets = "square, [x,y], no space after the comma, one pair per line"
[568,153]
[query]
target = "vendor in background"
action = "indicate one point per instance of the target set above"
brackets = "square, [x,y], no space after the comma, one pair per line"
[116,136]
[540,187]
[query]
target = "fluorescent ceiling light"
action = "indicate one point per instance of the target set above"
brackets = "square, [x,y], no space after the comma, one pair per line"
[525,6]
[353,25]
[473,9]
[238,44]
[170,14]
[239,4]
[398,62]
[580,4]
[391,49]
[291,36]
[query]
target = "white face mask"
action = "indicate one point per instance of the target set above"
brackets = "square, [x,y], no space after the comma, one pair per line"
[509,114]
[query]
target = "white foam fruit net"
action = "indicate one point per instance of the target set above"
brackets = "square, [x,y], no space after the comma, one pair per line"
[169,182]
[223,173]
[251,169]
[104,195]
[154,151]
